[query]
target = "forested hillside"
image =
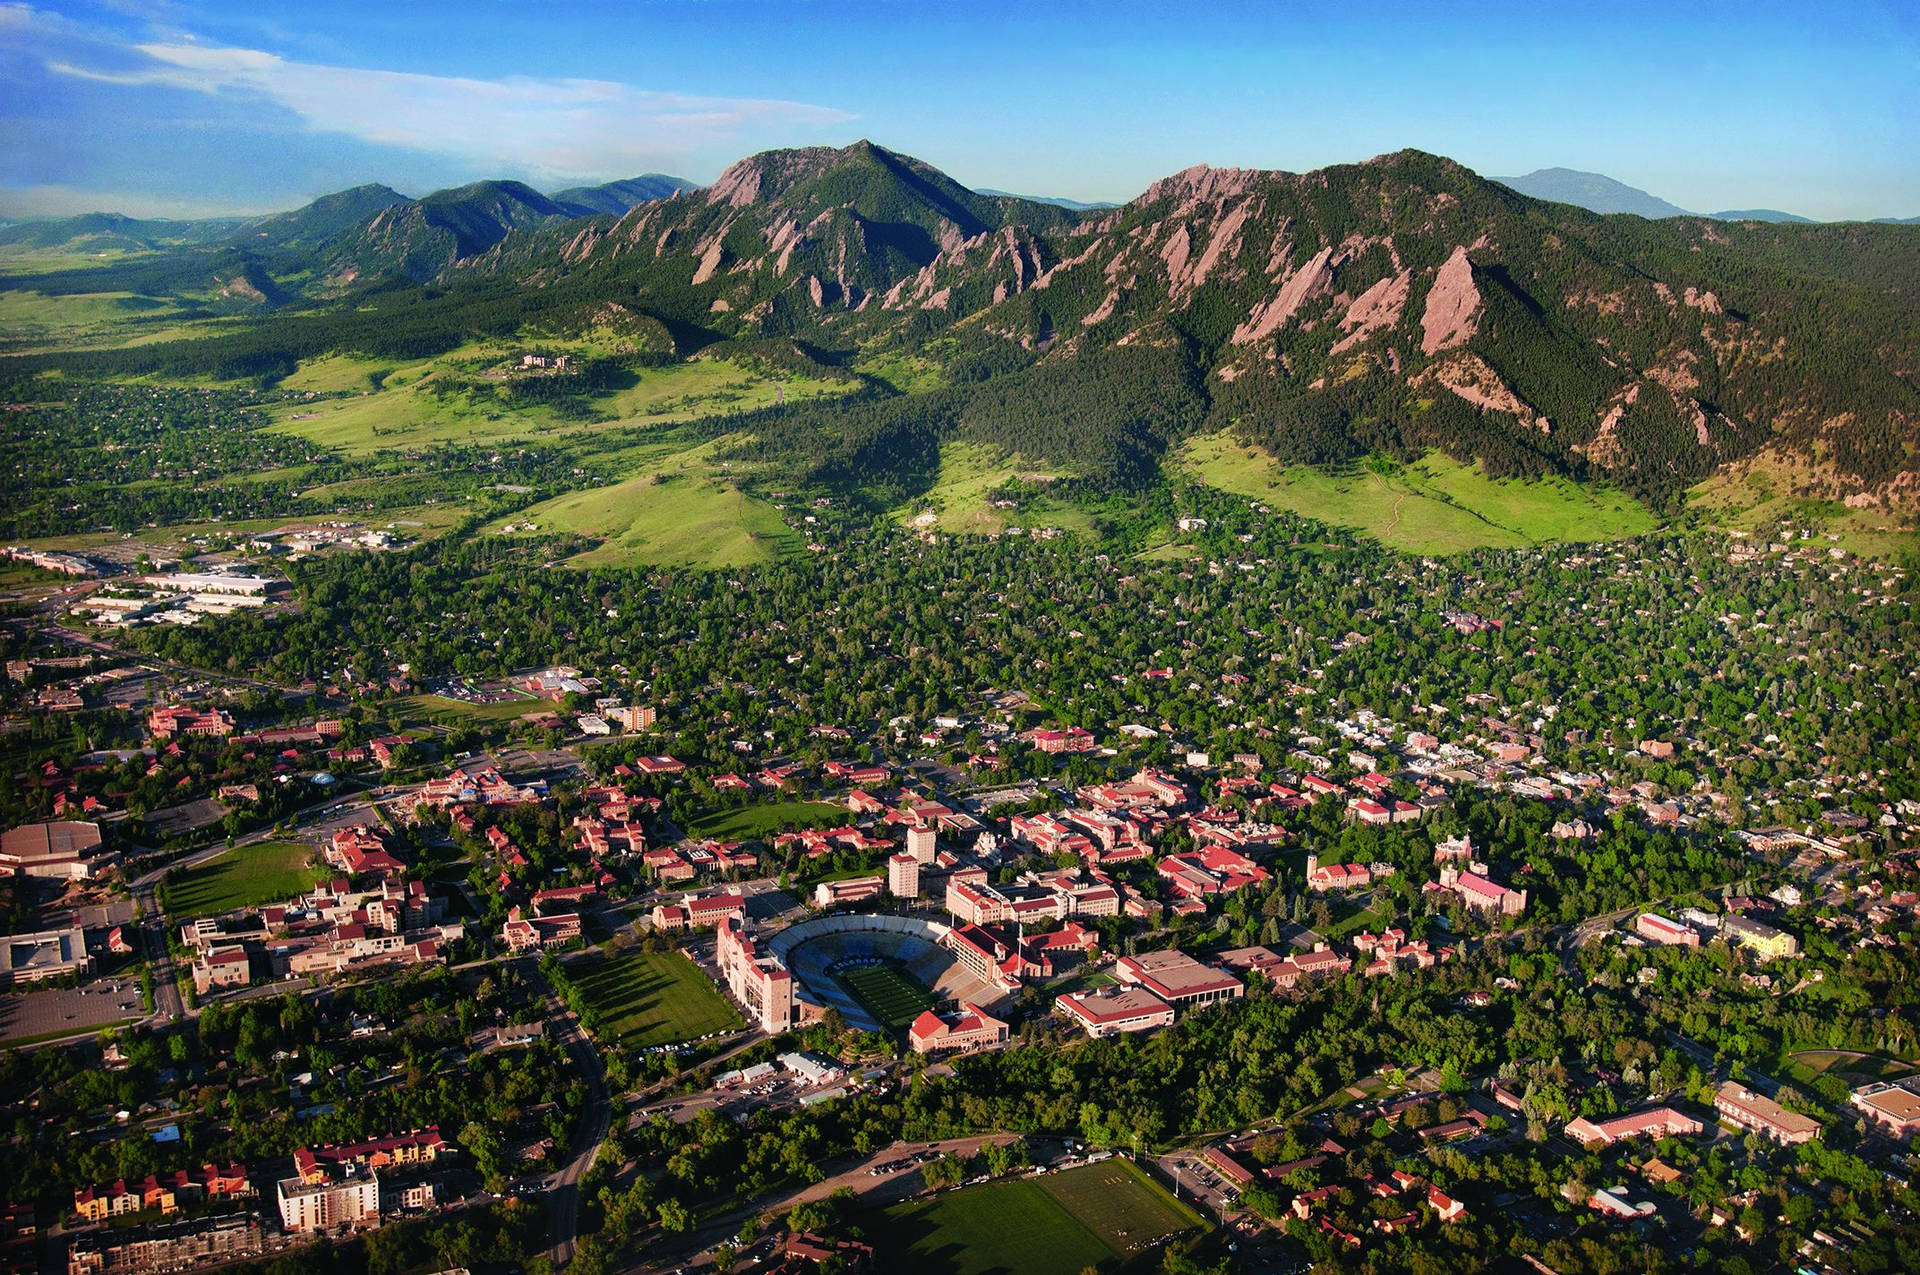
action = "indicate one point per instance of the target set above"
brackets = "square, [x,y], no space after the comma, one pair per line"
[1395,306]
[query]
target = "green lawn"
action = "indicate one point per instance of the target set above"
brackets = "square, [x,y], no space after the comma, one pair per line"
[1059,1224]
[889,994]
[1435,505]
[1760,496]
[653,998]
[756,823]
[454,712]
[246,877]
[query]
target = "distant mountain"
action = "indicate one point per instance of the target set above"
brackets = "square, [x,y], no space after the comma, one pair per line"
[1759,214]
[319,221]
[1072,205]
[1595,192]
[112,232]
[1896,221]
[614,198]
[423,238]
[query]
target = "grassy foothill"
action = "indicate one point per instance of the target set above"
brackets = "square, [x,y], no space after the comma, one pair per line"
[642,999]
[888,993]
[1435,505]
[245,877]
[1059,1224]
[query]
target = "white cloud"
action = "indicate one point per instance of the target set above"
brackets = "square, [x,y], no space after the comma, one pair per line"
[565,128]
[65,201]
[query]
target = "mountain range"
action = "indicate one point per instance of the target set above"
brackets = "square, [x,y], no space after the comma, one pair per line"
[1396,305]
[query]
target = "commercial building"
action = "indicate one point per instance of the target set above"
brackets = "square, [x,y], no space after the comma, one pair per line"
[1768,942]
[66,850]
[1895,1107]
[1655,928]
[309,1207]
[29,958]
[1763,1115]
[829,894]
[1110,1011]
[1178,979]
[171,1246]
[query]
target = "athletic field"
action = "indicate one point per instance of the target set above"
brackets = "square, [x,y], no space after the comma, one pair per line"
[1058,1224]
[888,993]
[653,998]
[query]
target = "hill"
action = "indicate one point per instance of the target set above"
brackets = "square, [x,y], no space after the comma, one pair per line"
[1595,192]
[1403,305]
[614,198]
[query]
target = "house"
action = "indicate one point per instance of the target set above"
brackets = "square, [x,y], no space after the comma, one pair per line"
[412,1149]
[1763,1115]
[1659,1122]
[963,1031]
[1109,1011]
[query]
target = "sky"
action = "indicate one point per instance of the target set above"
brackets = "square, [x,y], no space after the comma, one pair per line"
[177,108]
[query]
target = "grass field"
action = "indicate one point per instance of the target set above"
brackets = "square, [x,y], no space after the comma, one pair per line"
[889,994]
[35,320]
[751,823]
[958,501]
[654,998]
[1059,1224]
[241,878]
[1435,505]
[455,712]
[1763,494]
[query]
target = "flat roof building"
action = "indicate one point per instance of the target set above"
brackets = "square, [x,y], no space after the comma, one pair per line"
[1178,979]
[66,850]
[1111,1011]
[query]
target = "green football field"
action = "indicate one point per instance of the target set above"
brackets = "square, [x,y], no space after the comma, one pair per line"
[889,994]
[1058,1224]
[654,998]
[241,878]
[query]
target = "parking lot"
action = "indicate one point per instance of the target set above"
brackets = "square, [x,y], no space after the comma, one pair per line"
[25,1015]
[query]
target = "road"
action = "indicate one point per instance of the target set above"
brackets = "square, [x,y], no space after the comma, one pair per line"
[589,1135]
[88,643]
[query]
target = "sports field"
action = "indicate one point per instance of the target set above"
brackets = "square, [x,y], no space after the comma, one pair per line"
[1058,1224]
[888,993]
[653,998]
[241,878]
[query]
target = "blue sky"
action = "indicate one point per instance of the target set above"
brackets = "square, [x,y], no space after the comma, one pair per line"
[167,107]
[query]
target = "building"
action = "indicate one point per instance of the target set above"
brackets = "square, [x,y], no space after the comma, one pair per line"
[173,721]
[172,1246]
[222,967]
[1763,1115]
[1655,928]
[62,851]
[1895,1106]
[29,958]
[1768,942]
[311,1208]
[758,981]
[1178,979]
[697,911]
[637,718]
[1110,1011]
[524,933]
[1481,894]
[989,955]
[1660,1122]
[903,876]
[413,1148]
[1337,876]
[962,1031]
[829,894]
